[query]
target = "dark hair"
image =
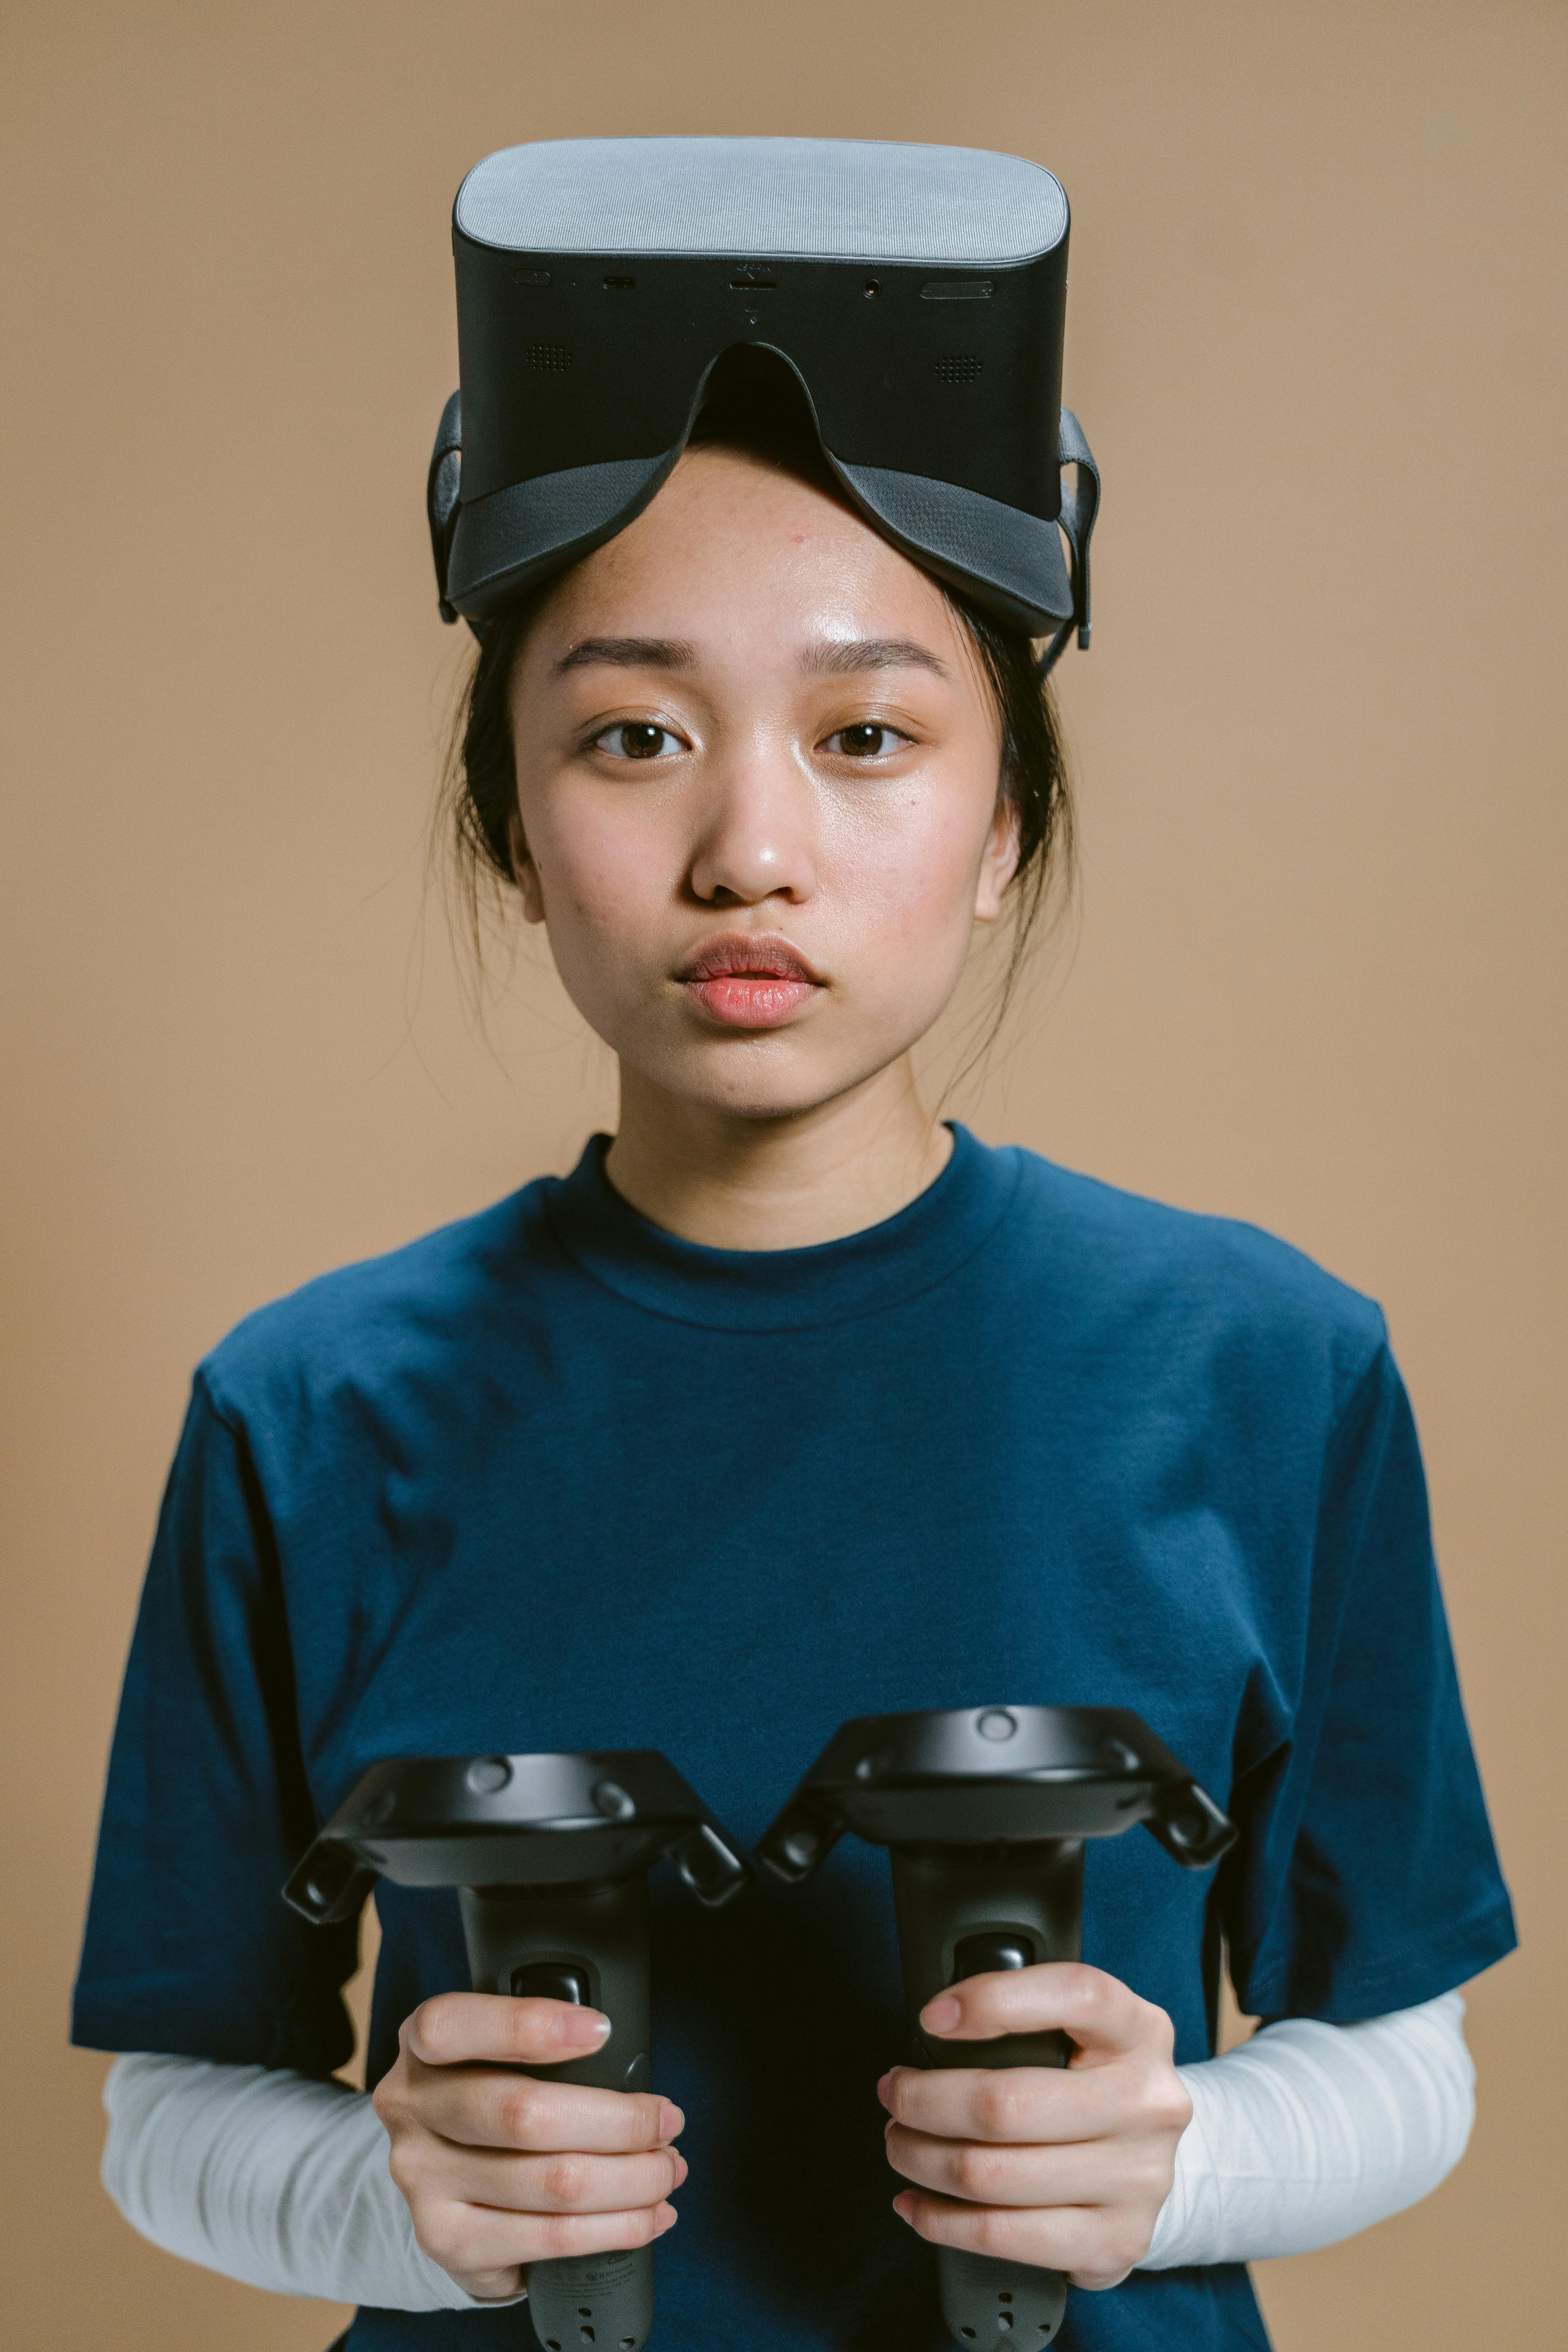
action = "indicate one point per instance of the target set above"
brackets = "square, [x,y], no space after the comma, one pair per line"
[754,405]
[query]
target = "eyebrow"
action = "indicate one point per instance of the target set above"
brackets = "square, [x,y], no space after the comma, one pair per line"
[841,658]
[629,653]
[845,659]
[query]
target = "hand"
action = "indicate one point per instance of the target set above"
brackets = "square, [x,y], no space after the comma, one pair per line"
[1066,2168]
[502,2169]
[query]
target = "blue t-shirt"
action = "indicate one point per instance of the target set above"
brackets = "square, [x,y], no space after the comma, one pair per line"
[551,1478]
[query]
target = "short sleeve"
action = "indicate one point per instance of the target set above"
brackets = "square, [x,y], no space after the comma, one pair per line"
[190,1947]
[1366,1879]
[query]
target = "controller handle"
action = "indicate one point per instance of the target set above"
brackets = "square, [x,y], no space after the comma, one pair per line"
[962,1912]
[587,1945]
[984,1811]
[549,1855]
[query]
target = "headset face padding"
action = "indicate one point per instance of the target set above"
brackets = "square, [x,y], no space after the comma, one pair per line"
[914,294]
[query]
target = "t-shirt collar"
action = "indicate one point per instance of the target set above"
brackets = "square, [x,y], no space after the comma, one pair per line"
[782,1290]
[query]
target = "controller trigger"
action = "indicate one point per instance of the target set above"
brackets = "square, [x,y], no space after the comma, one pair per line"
[551,1980]
[980,1956]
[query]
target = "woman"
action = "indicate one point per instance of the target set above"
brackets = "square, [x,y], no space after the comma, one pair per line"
[792,1404]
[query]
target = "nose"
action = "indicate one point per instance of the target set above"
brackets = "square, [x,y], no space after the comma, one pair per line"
[756,841]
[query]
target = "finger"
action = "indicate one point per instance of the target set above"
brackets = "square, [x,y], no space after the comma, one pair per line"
[1031,2104]
[460,2028]
[564,2182]
[1089,2172]
[476,2240]
[484,2107]
[1102,2015]
[1095,2248]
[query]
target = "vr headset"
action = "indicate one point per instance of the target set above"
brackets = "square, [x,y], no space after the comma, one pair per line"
[915,295]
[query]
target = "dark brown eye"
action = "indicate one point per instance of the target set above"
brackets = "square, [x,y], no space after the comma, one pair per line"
[867,740]
[637,739]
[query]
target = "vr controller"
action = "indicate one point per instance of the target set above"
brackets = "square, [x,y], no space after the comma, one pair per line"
[985,1812]
[549,1855]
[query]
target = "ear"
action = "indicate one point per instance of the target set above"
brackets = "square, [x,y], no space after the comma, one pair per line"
[999,863]
[524,872]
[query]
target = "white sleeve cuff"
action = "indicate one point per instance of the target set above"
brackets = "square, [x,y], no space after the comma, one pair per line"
[1305,2135]
[1311,2132]
[270,2177]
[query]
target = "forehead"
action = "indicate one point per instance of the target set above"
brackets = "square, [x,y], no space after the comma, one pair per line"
[736,545]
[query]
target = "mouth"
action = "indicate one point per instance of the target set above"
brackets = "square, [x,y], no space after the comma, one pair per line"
[748,982]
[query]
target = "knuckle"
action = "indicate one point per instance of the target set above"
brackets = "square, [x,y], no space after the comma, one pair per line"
[386,2099]
[431,2027]
[975,2173]
[567,2180]
[1126,2241]
[530,2027]
[523,2110]
[563,2235]
[1150,2177]
[994,2233]
[921,2213]
[447,2236]
[1112,2240]
[1173,2106]
[998,2105]
[1157,2100]
[1136,2243]
[649,2118]
[1088,1988]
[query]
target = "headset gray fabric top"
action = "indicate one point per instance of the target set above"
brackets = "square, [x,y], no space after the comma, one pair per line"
[832,199]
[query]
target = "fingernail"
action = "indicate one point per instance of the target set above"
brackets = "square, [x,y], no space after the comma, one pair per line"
[941,2016]
[663,2219]
[671,2122]
[900,2207]
[584,2028]
[682,2168]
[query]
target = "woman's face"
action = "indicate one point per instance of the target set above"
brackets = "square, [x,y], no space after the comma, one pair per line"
[757,783]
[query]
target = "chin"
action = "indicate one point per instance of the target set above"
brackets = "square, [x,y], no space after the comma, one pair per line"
[748,1078]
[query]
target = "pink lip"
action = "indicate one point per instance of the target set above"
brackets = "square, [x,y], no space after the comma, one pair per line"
[748,983]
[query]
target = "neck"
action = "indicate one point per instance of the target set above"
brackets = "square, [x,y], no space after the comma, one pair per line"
[730,1182]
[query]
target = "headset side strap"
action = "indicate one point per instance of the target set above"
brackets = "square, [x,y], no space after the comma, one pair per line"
[1079,506]
[442,493]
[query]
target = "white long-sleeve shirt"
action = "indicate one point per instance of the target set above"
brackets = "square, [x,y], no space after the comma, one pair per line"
[1301,2137]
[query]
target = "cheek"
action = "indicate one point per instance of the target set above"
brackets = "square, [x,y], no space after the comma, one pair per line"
[605,878]
[903,874]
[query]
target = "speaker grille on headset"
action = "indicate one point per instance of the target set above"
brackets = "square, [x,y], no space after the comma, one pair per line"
[958,367]
[554,359]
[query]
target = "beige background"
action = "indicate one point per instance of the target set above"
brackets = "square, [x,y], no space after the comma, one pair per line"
[1317,339]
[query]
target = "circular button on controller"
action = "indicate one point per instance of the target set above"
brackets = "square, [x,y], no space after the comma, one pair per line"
[996,1724]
